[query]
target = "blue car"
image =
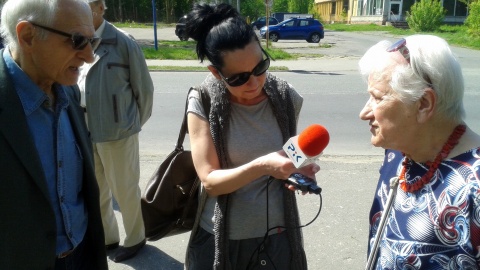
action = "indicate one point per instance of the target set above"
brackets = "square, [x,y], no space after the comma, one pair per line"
[295,28]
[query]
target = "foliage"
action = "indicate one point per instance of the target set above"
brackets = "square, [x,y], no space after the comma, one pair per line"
[280,6]
[426,15]
[300,6]
[168,11]
[344,15]
[473,20]
[252,9]
[256,8]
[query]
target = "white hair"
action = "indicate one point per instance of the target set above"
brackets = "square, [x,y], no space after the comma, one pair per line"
[40,11]
[432,64]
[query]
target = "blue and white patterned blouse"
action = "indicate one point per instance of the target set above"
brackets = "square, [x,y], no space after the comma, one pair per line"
[436,227]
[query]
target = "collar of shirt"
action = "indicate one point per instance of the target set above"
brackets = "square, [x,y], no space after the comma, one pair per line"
[86,67]
[100,29]
[31,96]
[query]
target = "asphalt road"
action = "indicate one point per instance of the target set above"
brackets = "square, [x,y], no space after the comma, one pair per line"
[334,93]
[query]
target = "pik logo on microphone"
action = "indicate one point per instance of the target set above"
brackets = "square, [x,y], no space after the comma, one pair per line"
[304,149]
[293,154]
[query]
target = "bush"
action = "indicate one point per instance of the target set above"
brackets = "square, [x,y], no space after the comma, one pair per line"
[473,20]
[426,16]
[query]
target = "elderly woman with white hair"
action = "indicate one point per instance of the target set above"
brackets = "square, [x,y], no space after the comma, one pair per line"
[426,209]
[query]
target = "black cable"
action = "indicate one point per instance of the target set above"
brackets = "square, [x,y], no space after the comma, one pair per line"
[262,244]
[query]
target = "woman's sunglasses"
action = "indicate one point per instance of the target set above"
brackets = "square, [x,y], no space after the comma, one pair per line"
[242,78]
[79,42]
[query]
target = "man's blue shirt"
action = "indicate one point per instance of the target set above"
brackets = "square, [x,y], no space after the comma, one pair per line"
[59,153]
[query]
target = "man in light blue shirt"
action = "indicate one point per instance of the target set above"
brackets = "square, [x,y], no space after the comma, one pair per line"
[49,201]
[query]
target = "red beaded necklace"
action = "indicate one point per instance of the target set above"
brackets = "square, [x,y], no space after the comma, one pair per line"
[432,166]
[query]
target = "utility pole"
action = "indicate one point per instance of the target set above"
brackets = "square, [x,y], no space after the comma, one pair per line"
[268,4]
[154,25]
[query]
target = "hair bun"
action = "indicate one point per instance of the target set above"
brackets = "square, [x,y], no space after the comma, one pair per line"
[204,17]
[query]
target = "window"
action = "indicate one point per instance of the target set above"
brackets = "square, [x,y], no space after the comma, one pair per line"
[370,7]
[290,24]
[304,23]
[455,8]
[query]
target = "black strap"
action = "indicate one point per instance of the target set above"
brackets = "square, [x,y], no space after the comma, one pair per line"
[205,97]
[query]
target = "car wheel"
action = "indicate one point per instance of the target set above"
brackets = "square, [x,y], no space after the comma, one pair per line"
[183,38]
[314,38]
[273,37]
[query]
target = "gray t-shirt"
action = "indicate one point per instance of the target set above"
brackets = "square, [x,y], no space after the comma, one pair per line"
[253,132]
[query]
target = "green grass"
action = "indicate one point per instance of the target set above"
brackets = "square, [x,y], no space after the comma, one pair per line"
[185,50]
[279,54]
[454,35]
[357,27]
[172,50]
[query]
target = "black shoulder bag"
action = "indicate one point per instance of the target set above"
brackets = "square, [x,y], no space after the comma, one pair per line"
[170,201]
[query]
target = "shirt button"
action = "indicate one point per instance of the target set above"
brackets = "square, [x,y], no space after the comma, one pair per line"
[60,163]
[62,199]
[263,262]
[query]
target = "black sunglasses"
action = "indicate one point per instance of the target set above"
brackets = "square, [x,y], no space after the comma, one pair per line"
[242,78]
[400,46]
[79,42]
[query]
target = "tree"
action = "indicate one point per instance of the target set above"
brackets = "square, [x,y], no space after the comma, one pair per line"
[280,6]
[253,8]
[473,20]
[299,5]
[426,15]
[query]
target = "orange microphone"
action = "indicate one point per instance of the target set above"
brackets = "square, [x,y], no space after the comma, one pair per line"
[304,149]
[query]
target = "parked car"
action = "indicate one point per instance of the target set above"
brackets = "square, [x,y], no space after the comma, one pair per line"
[295,28]
[180,29]
[262,21]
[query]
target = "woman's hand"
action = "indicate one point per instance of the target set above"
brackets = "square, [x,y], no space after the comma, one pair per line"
[281,167]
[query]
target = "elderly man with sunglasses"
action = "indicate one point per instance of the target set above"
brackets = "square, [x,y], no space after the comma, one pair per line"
[49,200]
[117,92]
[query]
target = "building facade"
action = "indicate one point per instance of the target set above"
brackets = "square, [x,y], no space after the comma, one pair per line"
[381,11]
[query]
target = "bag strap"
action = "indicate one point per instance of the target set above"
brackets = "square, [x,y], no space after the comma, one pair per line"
[205,97]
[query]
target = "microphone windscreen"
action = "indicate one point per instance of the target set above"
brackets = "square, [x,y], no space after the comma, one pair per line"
[313,140]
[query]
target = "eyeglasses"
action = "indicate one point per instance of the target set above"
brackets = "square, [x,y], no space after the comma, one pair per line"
[79,42]
[400,46]
[242,78]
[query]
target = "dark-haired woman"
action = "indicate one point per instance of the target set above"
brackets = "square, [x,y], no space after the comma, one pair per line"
[235,148]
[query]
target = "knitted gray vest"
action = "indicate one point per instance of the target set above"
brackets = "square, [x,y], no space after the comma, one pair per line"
[278,94]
